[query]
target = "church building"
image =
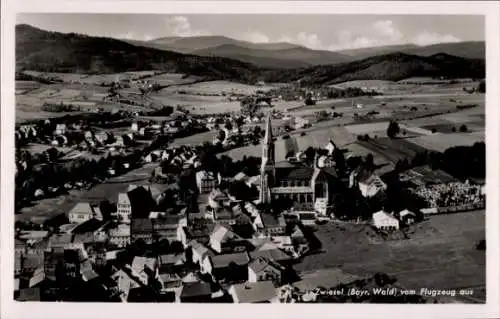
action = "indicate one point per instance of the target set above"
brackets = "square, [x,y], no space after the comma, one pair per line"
[299,183]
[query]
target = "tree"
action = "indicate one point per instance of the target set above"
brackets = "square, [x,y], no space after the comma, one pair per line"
[176,247]
[463,128]
[369,163]
[393,129]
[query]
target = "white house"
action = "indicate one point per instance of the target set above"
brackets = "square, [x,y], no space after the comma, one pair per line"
[383,220]
[80,213]
[407,216]
[371,186]
[124,208]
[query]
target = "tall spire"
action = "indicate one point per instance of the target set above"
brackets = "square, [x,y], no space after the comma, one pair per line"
[267,166]
[268,144]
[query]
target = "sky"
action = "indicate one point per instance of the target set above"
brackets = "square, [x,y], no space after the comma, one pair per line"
[322,32]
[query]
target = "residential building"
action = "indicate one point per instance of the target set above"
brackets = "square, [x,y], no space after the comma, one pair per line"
[274,254]
[228,267]
[145,268]
[258,292]
[223,240]
[270,225]
[120,235]
[206,181]
[81,212]
[369,183]
[141,228]
[385,221]
[199,252]
[195,292]
[263,269]
[407,217]
[136,203]
[171,263]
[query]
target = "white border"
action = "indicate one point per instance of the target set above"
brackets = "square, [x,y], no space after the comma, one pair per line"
[11,309]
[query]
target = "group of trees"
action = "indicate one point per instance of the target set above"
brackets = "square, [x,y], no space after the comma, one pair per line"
[393,129]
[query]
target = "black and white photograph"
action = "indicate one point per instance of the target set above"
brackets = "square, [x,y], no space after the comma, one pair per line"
[249,158]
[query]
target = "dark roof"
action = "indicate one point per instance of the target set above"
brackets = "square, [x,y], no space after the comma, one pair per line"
[294,173]
[196,289]
[271,254]
[263,263]
[32,261]
[90,225]
[19,243]
[271,221]
[171,259]
[327,173]
[221,261]
[141,225]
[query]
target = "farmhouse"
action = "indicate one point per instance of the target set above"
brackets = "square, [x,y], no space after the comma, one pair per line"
[262,269]
[368,183]
[223,240]
[407,216]
[385,221]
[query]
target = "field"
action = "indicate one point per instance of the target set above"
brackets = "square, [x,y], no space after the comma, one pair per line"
[445,259]
[440,142]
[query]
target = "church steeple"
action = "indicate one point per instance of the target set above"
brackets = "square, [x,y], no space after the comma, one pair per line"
[268,143]
[267,166]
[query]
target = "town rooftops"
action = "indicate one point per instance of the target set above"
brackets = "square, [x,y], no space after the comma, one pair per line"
[406,212]
[258,292]
[222,261]
[37,278]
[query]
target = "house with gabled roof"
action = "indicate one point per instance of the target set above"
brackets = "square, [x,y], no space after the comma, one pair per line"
[228,267]
[263,269]
[224,240]
[258,292]
[81,212]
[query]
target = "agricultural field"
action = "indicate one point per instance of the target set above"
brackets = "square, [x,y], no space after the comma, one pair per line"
[447,258]
[440,142]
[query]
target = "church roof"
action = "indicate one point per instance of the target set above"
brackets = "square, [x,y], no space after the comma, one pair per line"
[294,173]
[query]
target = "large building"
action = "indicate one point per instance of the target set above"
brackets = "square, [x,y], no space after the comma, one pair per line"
[301,184]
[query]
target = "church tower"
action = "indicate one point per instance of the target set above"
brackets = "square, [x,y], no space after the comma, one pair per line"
[267,170]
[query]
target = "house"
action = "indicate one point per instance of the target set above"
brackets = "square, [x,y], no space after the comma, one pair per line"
[171,263]
[258,292]
[263,269]
[170,281]
[228,266]
[330,147]
[276,255]
[145,268]
[60,129]
[307,218]
[407,217]
[120,235]
[224,240]
[270,225]
[218,199]
[141,228]
[196,292]
[81,212]
[125,283]
[199,252]
[369,183]
[206,181]
[92,228]
[385,221]
[168,227]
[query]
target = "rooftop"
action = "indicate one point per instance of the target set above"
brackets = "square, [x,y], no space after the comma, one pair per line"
[196,289]
[271,254]
[261,291]
[222,261]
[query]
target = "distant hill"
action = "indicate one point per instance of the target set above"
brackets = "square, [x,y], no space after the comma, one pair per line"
[279,58]
[196,43]
[46,51]
[471,50]
[391,67]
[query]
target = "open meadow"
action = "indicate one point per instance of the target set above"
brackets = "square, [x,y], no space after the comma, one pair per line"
[447,258]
